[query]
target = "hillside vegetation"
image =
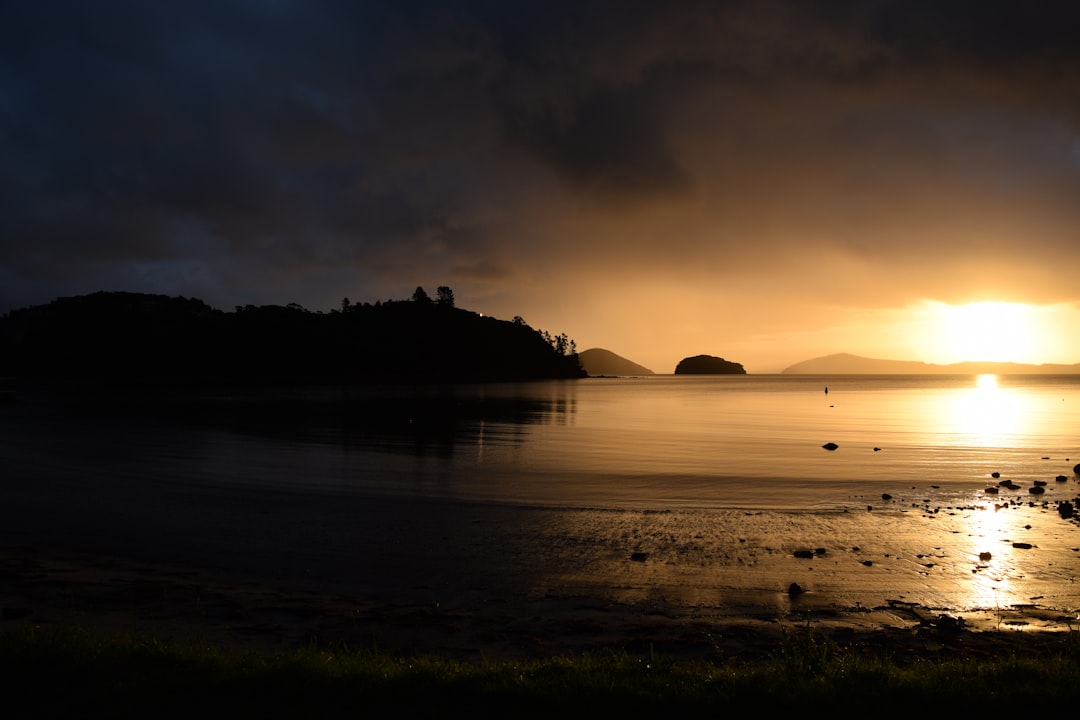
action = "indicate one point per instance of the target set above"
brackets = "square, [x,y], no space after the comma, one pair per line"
[118,336]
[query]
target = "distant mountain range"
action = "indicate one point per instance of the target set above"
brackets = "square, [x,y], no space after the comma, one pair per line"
[598,362]
[847,364]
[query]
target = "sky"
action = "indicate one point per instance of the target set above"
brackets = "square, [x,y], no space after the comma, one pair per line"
[766,181]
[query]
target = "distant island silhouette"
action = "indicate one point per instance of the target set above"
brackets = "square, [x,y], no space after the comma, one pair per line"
[847,364]
[708,365]
[598,362]
[120,337]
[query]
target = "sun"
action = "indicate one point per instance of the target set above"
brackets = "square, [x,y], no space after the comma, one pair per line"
[994,331]
[990,331]
[987,331]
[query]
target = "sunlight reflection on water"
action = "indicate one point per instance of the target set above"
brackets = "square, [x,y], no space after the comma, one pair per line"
[759,440]
[986,415]
[717,480]
[657,442]
[710,441]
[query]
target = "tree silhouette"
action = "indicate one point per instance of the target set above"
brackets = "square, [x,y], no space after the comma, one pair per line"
[155,339]
[444,296]
[420,295]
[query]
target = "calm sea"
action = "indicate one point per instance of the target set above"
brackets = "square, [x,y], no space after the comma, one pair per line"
[658,442]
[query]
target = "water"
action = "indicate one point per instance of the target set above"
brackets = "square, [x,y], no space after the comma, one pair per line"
[455,495]
[649,443]
[757,442]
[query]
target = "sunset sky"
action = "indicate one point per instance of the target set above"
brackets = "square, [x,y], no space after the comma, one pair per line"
[763,181]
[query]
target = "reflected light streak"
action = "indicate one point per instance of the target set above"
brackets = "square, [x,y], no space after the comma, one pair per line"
[986,414]
[991,572]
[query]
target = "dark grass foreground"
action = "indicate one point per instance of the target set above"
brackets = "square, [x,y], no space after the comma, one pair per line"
[73,673]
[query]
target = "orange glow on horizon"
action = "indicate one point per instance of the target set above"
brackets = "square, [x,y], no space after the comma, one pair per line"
[994,331]
[990,332]
[770,337]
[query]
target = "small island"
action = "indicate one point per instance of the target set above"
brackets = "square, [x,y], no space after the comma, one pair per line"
[708,365]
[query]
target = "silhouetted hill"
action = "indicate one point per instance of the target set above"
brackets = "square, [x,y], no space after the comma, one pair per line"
[119,337]
[598,362]
[847,364]
[708,365]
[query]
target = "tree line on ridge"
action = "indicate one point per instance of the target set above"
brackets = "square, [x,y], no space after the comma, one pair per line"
[122,336]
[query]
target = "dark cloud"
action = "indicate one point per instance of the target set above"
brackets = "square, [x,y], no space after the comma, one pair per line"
[613,142]
[304,151]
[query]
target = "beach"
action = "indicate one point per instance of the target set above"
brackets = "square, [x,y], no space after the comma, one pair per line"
[476,582]
[539,528]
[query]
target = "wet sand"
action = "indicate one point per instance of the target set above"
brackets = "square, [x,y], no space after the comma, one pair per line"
[278,570]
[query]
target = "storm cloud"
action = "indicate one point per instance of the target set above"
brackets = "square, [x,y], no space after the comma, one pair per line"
[598,168]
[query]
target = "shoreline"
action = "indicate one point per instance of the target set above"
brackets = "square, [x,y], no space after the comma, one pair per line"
[475,583]
[112,596]
[131,532]
[116,596]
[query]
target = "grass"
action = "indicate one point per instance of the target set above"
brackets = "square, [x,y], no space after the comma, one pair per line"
[71,672]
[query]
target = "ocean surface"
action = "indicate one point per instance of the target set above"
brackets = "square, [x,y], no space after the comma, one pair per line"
[691,495]
[659,442]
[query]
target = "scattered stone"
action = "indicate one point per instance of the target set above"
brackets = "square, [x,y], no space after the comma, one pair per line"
[867,563]
[877,449]
[1022,545]
[992,490]
[1066,509]
[995,474]
[819,551]
[639,556]
[1037,490]
[886,496]
[1061,478]
[1040,482]
[948,625]
[985,556]
[1076,469]
[804,554]
[794,590]
[830,446]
